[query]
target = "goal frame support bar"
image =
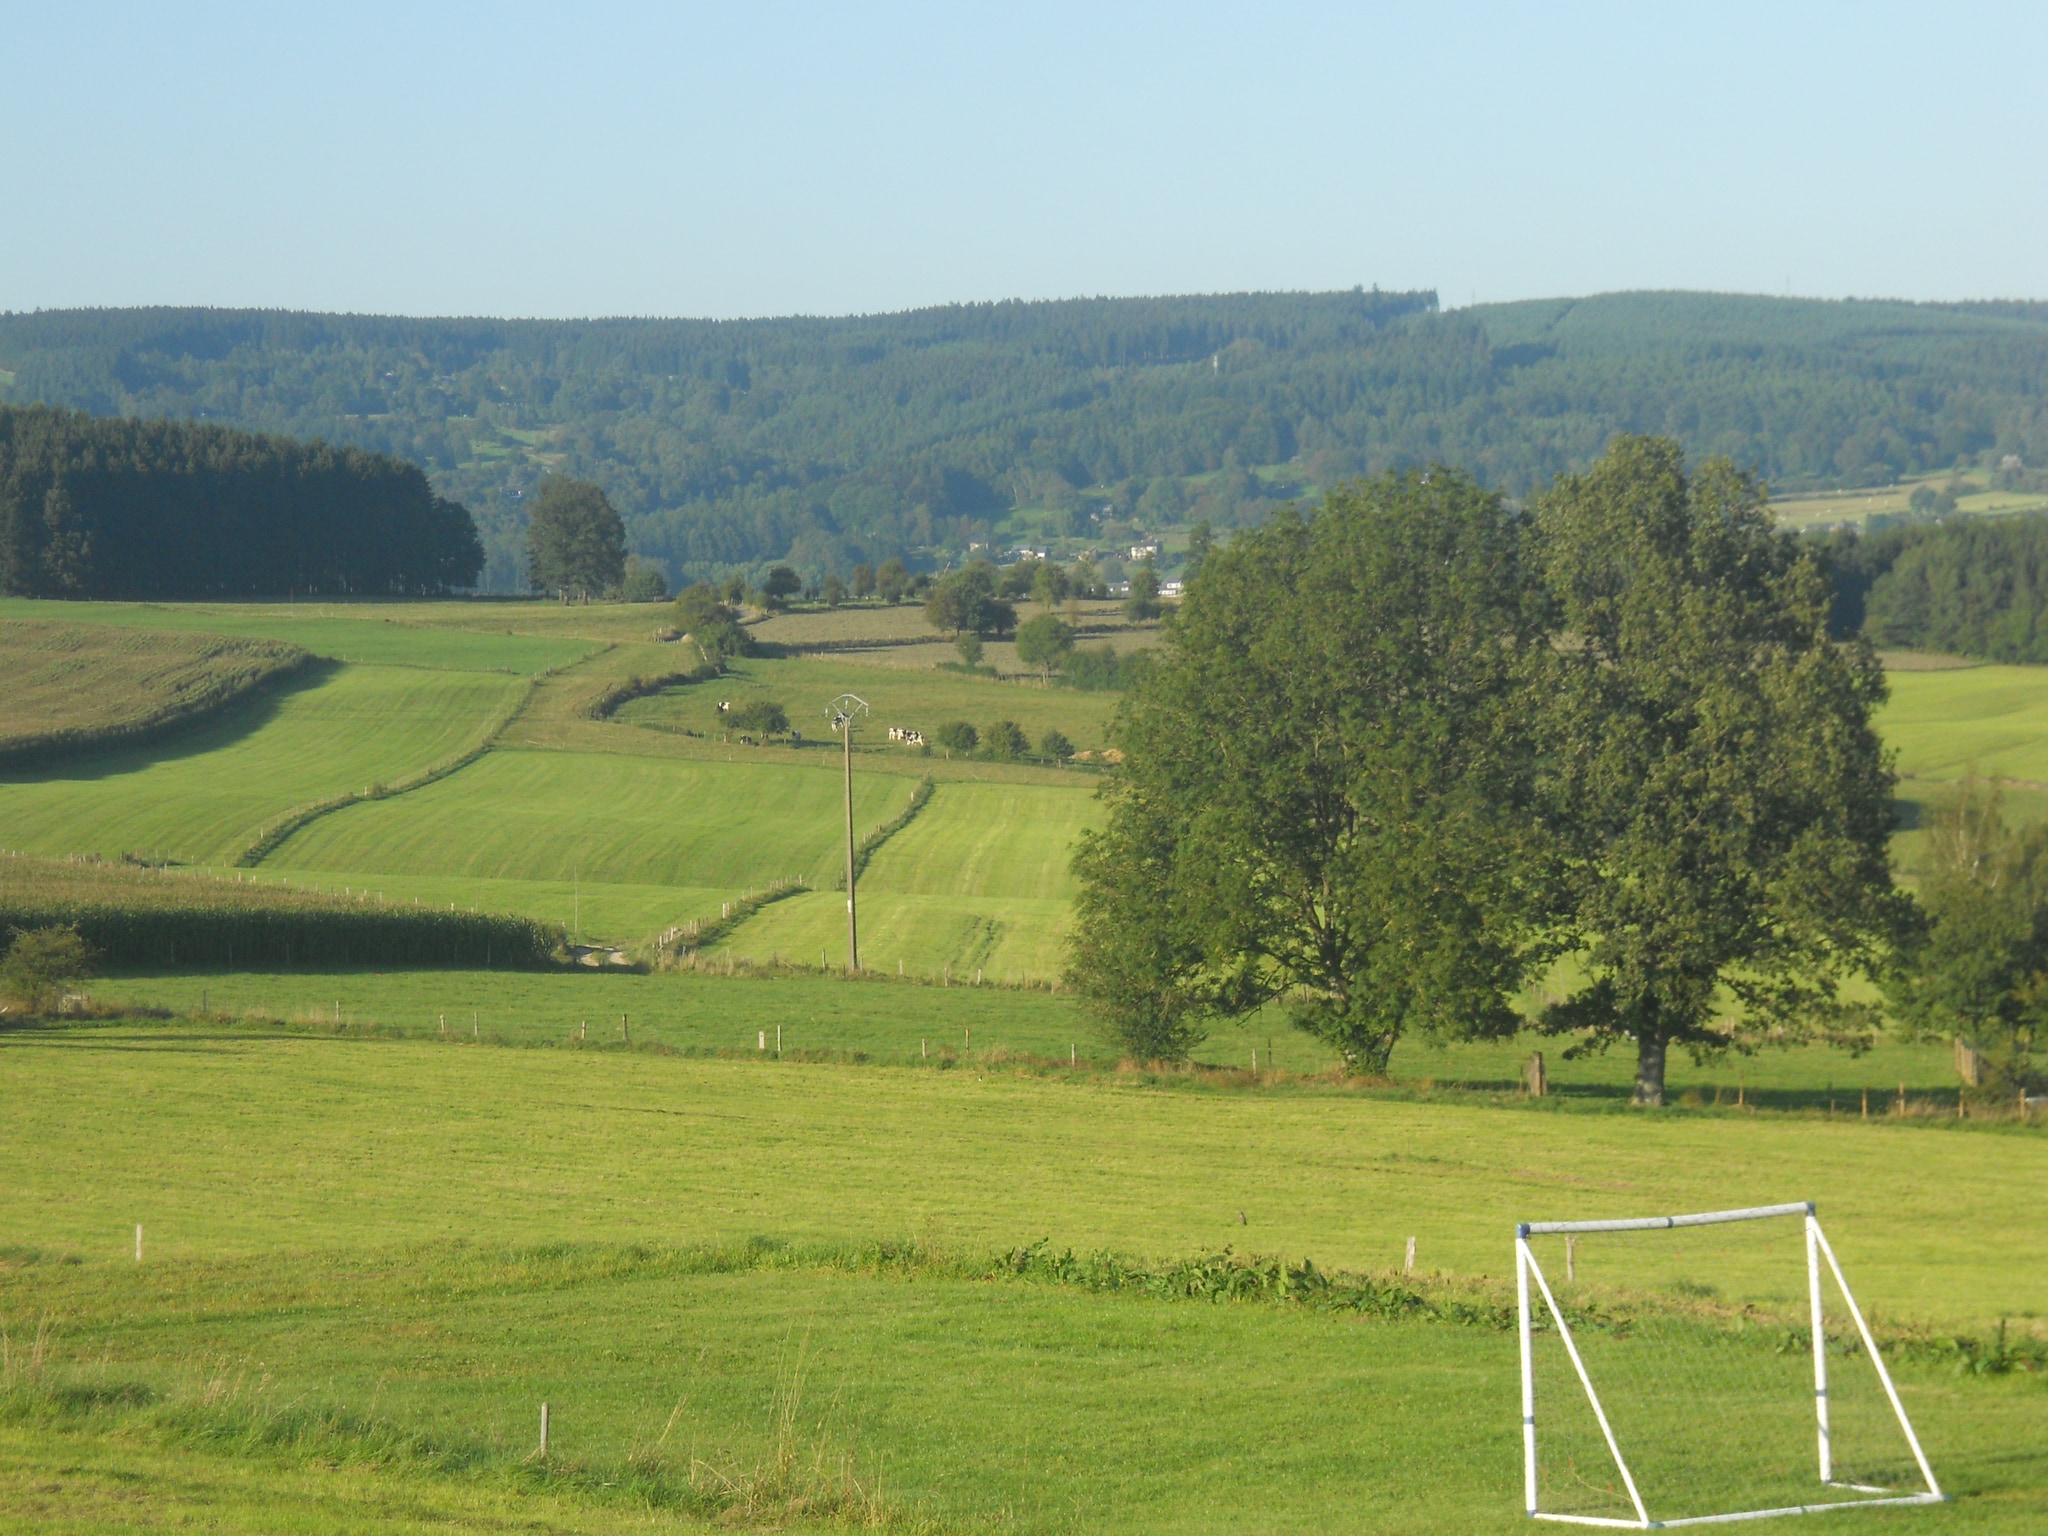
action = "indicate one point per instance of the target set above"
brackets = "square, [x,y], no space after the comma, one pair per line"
[1817,1249]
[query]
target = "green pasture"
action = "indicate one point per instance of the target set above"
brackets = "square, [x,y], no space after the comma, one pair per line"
[544,815]
[230,1142]
[1011,840]
[1991,718]
[979,883]
[898,696]
[206,794]
[592,910]
[927,1025]
[1002,939]
[971,1406]
[393,634]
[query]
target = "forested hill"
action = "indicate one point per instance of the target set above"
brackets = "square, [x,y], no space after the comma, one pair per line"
[729,443]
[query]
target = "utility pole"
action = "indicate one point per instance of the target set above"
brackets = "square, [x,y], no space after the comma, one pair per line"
[844,709]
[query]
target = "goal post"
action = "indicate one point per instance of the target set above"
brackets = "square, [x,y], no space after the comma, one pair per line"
[1664,1383]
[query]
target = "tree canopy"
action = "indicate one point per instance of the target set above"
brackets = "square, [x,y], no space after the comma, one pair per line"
[1724,798]
[1980,973]
[1395,756]
[173,509]
[575,542]
[727,445]
[1328,784]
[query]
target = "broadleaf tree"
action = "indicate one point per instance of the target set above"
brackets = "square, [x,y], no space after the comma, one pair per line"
[1329,785]
[1980,973]
[1725,801]
[575,542]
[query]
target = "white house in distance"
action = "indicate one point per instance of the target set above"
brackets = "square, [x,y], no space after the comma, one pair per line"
[1145,551]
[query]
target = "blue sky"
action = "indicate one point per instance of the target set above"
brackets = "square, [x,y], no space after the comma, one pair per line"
[774,159]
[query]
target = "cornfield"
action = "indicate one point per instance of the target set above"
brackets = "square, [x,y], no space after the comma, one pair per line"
[139,917]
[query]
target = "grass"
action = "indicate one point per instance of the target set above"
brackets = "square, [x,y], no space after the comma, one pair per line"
[978,883]
[917,700]
[939,1026]
[593,910]
[536,815]
[72,687]
[205,797]
[1992,718]
[256,1144]
[380,634]
[969,1403]
[382,1255]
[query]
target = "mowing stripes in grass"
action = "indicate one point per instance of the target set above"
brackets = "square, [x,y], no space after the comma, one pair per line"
[540,815]
[202,799]
[1000,840]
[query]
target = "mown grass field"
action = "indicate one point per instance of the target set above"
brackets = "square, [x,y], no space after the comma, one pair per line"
[916,700]
[531,815]
[978,883]
[1990,718]
[287,1185]
[205,796]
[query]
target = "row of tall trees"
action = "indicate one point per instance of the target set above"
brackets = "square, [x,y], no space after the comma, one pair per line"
[120,508]
[1396,758]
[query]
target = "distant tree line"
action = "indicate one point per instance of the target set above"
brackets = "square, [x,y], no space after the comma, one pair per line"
[826,443]
[1975,586]
[119,508]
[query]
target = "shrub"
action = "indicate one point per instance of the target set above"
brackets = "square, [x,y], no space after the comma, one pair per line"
[1006,741]
[644,583]
[1043,642]
[41,962]
[1095,668]
[957,738]
[892,581]
[969,647]
[762,717]
[1055,746]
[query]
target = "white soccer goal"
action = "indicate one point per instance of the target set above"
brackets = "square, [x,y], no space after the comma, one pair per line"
[1666,1381]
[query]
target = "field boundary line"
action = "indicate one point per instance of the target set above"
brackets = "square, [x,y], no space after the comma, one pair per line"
[920,797]
[278,832]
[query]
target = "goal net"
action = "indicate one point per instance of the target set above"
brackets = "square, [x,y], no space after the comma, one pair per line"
[1688,1370]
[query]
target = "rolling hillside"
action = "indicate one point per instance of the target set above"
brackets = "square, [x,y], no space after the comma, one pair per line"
[727,444]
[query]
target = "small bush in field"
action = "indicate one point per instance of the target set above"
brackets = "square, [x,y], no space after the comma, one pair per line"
[41,962]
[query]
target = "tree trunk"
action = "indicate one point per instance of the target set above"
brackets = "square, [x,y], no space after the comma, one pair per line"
[1650,1051]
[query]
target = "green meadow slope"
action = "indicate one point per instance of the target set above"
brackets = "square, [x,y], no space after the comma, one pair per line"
[540,815]
[774,1293]
[403,1248]
[978,882]
[206,796]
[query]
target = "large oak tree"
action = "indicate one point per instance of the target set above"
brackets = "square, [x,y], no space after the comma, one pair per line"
[1329,784]
[1725,799]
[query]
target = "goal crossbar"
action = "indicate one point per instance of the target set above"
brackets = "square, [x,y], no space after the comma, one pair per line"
[1661,1223]
[1817,1249]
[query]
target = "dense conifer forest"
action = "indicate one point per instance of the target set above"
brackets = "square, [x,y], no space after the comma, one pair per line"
[124,508]
[728,444]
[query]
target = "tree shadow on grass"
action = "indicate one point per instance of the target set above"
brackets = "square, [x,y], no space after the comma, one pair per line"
[191,736]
